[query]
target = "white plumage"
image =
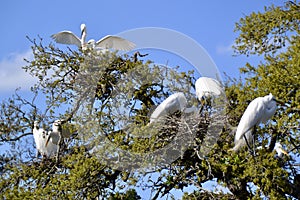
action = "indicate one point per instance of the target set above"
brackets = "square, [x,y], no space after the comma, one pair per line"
[40,137]
[279,149]
[258,111]
[107,42]
[54,135]
[111,42]
[38,134]
[206,87]
[67,37]
[242,142]
[175,102]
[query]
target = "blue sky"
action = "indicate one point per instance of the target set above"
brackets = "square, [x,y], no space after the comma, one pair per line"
[210,23]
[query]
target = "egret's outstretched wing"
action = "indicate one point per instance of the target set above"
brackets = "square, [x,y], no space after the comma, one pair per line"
[66,37]
[114,42]
[250,118]
[207,86]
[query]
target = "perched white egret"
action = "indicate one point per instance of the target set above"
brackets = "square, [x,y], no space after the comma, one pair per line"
[175,102]
[40,137]
[54,135]
[107,42]
[206,87]
[258,111]
[58,129]
[278,148]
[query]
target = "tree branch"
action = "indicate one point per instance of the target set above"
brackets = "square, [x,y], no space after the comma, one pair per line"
[15,139]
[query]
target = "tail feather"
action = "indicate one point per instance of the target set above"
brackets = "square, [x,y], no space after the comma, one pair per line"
[239,143]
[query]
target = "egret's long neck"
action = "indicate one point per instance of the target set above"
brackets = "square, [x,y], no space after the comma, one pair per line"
[55,128]
[83,36]
[36,126]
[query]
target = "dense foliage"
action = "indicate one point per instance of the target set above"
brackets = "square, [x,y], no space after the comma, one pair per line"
[90,90]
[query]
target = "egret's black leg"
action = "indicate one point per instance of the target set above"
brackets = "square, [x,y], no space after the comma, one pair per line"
[58,148]
[251,151]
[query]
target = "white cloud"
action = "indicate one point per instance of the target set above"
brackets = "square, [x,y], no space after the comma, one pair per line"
[12,75]
[225,49]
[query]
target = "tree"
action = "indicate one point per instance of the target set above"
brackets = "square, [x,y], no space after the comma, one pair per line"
[92,91]
[273,36]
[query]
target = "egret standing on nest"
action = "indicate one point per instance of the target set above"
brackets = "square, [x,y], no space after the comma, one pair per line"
[107,42]
[175,102]
[55,136]
[258,111]
[40,137]
[207,87]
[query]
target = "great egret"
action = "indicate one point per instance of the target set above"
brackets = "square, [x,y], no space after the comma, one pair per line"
[260,110]
[175,102]
[278,148]
[55,134]
[40,137]
[107,42]
[206,87]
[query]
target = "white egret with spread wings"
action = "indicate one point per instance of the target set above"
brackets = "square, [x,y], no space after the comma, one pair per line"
[107,42]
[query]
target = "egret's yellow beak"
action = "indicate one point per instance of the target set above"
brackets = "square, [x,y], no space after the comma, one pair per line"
[283,151]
